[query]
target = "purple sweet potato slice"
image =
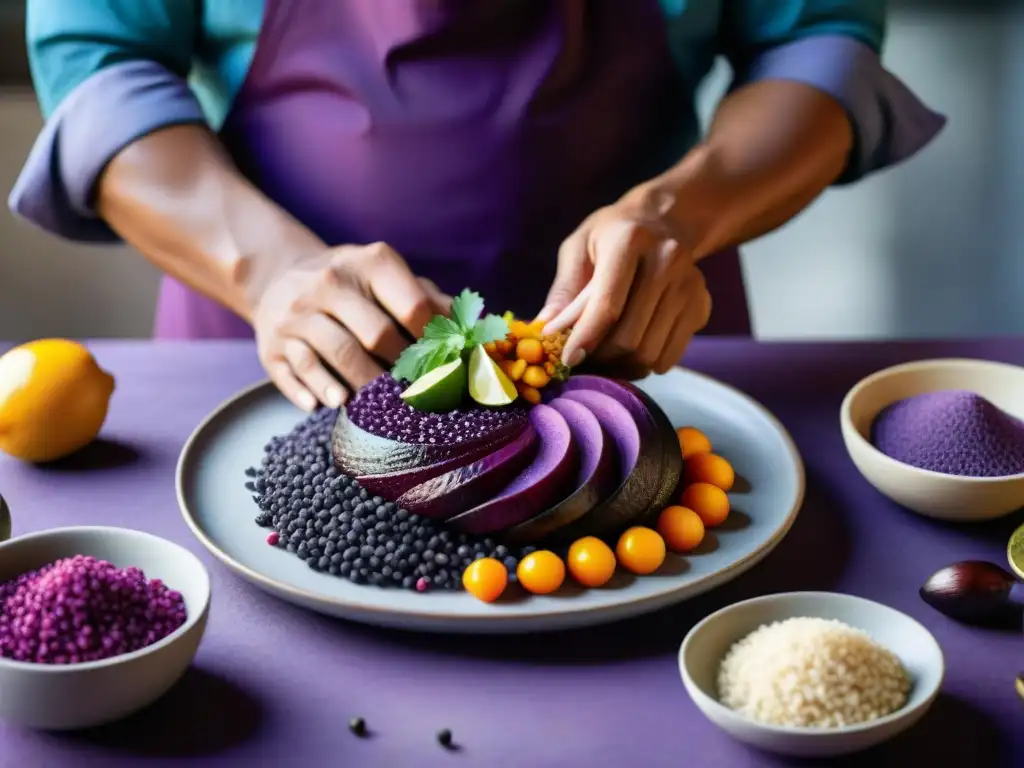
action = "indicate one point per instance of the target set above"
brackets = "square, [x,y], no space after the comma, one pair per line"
[642,408]
[389,468]
[597,477]
[465,487]
[544,481]
[639,469]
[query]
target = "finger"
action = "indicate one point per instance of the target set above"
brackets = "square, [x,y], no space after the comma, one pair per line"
[570,314]
[308,369]
[280,373]
[373,328]
[637,326]
[694,319]
[441,300]
[666,318]
[394,285]
[615,254]
[340,349]
[571,277]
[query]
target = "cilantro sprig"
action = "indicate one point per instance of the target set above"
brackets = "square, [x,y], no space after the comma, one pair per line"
[446,338]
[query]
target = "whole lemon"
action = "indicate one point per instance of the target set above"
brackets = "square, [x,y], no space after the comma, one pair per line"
[53,399]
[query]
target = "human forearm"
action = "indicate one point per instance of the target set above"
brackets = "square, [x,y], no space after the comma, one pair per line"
[176,197]
[772,148]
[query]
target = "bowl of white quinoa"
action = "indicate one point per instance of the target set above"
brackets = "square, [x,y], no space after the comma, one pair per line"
[811,674]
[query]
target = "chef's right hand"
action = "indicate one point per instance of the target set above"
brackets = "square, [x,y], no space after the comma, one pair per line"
[324,326]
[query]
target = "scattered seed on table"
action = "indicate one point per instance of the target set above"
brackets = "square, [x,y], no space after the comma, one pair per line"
[358,726]
[273,537]
[444,738]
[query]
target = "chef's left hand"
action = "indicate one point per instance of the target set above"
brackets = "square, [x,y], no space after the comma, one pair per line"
[632,293]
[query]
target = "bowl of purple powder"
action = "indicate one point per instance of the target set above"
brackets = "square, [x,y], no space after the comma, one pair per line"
[95,624]
[943,438]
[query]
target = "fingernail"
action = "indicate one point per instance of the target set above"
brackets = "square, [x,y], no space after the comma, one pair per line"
[545,314]
[334,397]
[575,358]
[307,402]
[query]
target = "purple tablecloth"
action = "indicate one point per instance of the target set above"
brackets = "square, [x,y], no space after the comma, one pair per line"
[274,685]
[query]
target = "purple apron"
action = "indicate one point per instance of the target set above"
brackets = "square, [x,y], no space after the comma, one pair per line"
[471,135]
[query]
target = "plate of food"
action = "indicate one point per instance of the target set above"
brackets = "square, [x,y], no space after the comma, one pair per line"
[482,487]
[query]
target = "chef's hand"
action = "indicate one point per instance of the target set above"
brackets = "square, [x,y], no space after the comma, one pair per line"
[326,325]
[633,295]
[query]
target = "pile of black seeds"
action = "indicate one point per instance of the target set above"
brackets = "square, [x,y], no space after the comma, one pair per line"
[334,524]
[379,409]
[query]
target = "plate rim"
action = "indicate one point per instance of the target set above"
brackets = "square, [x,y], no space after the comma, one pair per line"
[448,622]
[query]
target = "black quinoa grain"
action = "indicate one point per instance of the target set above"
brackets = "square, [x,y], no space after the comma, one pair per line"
[358,726]
[337,527]
[444,738]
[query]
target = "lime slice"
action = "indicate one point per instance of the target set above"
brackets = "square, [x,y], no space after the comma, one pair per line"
[438,390]
[488,384]
[1015,552]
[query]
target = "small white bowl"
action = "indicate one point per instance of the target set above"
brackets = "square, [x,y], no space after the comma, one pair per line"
[933,494]
[708,642]
[75,696]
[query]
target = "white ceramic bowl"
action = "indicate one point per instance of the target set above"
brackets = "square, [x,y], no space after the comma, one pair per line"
[933,494]
[75,696]
[708,642]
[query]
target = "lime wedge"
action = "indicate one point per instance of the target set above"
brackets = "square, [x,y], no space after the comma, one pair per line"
[438,390]
[488,384]
[1015,552]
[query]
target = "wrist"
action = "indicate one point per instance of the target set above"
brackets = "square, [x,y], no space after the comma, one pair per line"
[281,244]
[688,202]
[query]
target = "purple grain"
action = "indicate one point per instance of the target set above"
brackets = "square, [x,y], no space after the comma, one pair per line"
[379,409]
[82,609]
[954,432]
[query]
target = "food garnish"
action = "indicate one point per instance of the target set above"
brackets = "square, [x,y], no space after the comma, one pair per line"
[445,339]
[681,528]
[591,562]
[485,579]
[541,572]
[640,550]
[709,501]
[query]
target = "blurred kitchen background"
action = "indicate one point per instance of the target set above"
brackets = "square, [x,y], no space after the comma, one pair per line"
[932,248]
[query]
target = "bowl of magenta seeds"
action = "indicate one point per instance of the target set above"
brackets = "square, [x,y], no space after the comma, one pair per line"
[96,623]
[943,438]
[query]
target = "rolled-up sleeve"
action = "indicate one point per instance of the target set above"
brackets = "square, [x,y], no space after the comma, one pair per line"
[834,46]
[107,73]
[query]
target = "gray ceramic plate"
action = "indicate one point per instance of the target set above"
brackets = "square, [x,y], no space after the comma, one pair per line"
[220,512]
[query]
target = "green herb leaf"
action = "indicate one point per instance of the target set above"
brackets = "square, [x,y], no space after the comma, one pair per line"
[487,329]
[445,338]
[441,327]
[466,310]
[426,355]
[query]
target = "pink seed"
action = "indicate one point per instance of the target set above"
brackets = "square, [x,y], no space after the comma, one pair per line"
[422,585]
[273,538]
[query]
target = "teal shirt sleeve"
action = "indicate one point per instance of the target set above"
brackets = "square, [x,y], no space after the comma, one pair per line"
[834,46]
[751,26]
[107,73]
[69,41]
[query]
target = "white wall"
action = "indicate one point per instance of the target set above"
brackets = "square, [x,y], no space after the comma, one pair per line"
[929,248]
[49,287]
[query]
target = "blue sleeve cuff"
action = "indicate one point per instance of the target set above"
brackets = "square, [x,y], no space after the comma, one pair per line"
[106,113]
[890,123]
